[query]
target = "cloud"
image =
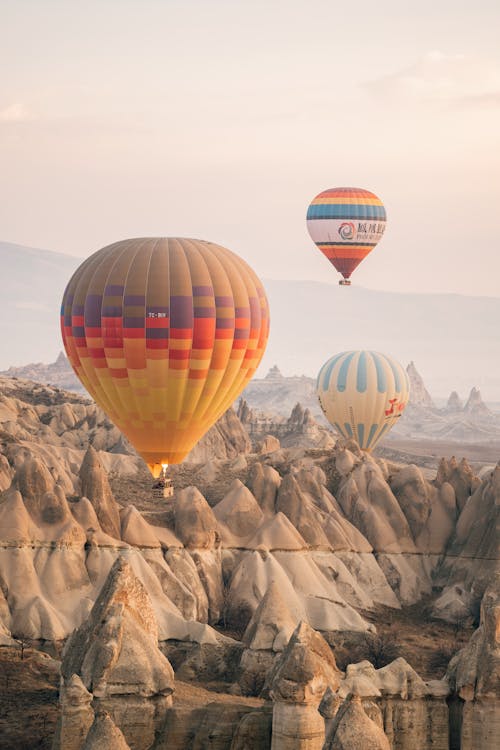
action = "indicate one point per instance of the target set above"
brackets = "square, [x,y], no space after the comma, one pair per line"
[439,77]
[15,112]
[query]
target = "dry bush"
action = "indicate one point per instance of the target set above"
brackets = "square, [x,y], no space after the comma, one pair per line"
[442,656]
[378,649]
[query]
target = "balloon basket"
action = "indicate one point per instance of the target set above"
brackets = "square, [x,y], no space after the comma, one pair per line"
[163,489]
[344,282]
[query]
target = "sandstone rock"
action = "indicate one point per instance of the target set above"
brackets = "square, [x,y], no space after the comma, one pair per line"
[116,646]
[277,533]
[195,523]
[226,439]
[460,476]
[419,396]
[304,670]
[267,633]
[184,568]
[272,623]
[16,524]
[475,405]
[474,675]
[264,482]
[353,730]
[239,511]
[115,652]
[95,487]
[135,530]
[415,713]
[104,735]
[218,726]
[269,444]
[307,519]
[253,731]
[209,568]
[369,504]
[431,512]
[297,727]
[454,403]
[33,480]
[5,473]
[76,717]
[474,550]
[5,636]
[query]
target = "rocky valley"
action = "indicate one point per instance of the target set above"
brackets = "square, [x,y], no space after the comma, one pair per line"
[295,593]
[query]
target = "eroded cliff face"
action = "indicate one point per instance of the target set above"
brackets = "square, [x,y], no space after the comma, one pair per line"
[474,677]
[387,537]
[113,660]
[278,546]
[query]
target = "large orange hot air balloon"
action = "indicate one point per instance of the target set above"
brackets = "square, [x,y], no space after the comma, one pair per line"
[164,334]
[346,224]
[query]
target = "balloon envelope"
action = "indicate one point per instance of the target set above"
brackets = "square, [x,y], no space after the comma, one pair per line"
[164,334]
[346,224]
[363,394]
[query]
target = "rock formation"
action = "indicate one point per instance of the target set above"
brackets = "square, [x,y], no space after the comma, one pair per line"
[353,729]
[419,395]
[296,684]
[473,553]
[95,486]
[258,543]
[225,440]
[104,735]
[115,656]
[475,405]
[267,634]
[474,677]
[454,403]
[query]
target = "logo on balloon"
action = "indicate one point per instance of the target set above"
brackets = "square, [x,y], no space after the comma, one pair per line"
[347,230]
[395,408]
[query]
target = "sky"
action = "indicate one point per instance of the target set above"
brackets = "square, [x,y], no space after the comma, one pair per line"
[221,120]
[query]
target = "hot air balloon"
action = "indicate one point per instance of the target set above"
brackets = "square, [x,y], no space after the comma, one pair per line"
[346,224]
[363,394]
[164,333]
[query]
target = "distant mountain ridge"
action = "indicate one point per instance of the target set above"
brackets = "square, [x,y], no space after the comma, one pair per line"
[453,338]
[58,373]
[32,283]
[277,395]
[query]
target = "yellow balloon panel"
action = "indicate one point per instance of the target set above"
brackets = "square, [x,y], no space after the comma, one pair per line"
[164,334]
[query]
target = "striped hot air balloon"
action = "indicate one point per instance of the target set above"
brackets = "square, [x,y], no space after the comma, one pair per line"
[363,394]
[346,224]
[164,334]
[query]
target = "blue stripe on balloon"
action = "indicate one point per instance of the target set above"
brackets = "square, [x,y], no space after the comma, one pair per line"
[381,379]
[371,434]
[339,428]
[361,434]
[383,430]
[396,373]
[318,379]
[362,374]
[344,369]
[328,372]
[346,211]
[348,429]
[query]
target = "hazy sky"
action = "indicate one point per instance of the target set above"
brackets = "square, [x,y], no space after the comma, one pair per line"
[222,119]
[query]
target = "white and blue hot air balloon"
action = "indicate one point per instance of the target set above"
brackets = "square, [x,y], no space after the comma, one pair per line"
[363,394]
